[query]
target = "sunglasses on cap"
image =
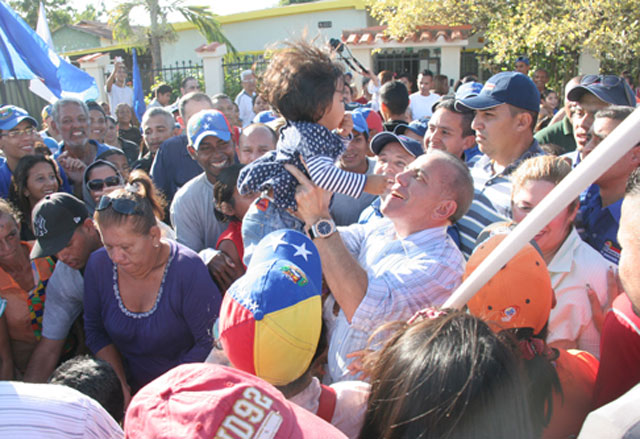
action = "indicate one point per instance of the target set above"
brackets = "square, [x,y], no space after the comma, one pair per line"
[123,206]
[610,81]
[98,184]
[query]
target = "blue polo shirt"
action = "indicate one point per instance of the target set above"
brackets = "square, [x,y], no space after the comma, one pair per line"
[598,226]
[100,148]
[173,166]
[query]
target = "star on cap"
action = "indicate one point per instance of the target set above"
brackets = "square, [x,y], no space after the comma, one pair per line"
[277,241]
[301,250]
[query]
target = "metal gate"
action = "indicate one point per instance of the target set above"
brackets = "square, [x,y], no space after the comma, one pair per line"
[408,61]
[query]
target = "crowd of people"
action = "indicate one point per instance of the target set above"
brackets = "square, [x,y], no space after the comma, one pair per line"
[276,265]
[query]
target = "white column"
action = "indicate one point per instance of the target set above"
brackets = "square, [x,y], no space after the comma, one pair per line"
[588,65]
[450,62]
[96,65]
[213,73]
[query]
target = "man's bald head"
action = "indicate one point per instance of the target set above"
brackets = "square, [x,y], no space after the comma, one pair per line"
[255,140]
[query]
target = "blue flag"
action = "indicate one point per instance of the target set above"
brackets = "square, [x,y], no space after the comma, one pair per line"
[139,106]
[23,55]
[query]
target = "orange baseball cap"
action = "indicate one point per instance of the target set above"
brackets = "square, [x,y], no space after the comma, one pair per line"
[519,295]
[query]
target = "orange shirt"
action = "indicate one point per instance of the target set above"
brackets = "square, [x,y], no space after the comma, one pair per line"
[577,372]
[19,318]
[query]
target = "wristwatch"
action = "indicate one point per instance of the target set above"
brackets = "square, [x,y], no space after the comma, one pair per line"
[322,229]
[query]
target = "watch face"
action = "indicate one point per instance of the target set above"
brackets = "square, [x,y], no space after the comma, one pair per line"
[324,227]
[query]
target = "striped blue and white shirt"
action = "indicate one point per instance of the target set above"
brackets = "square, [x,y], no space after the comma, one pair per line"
[405,275]
[319,147]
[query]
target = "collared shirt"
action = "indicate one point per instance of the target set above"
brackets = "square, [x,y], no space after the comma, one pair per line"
[496,186]
[371,212]
[598,225]
[492,197]
[404,276]
[100,148]
[576,265]
[560,133]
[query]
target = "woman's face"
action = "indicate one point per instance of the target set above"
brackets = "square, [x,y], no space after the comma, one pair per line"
[97,125]
[551,237]
[40,182]
[102,180]
[260,105]
[552,100]
[129,250]
[9,238]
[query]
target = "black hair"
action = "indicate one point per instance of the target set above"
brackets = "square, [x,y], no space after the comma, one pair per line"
[395,96]
[224,188]
[163,89]
[93,105]
[300,81]
[94,378]
[466,113]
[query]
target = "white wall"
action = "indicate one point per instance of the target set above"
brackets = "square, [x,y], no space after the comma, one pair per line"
[259,34]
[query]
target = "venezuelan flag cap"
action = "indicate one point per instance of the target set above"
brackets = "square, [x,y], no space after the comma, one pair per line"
[271,317]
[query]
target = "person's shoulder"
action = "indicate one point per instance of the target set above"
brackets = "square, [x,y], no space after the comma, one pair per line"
[173,144]
[197,183]
[98,259]
[183,255]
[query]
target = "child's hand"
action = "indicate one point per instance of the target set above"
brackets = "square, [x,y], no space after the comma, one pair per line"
[376,184]
[346,126]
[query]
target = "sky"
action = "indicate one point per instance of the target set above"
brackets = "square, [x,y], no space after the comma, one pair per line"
[220,7]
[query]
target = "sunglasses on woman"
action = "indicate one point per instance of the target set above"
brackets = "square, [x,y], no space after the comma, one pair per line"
[123,206]
[98,184]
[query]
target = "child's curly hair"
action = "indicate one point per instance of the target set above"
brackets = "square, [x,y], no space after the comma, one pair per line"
[300,81]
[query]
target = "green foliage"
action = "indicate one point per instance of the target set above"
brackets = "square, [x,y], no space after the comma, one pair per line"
[553,33]
[234,64]
[160,29]
[175,82]
[58,12]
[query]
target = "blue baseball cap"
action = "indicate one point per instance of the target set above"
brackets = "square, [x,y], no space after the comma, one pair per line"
[418,127]
[207,123]
[381,140]
[468,90]
[511,88]
[10,116]
[359,122]
[523,59]
[611,89]
[264,117]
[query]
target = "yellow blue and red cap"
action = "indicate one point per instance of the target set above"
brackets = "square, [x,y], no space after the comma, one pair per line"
[271,318]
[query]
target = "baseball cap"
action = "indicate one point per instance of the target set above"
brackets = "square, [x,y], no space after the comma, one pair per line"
[380,140]
[611,89]
[271,317]
[418,126]
[55,219]
[10,116]
[512,88]
[523,59]
[46,111]
[359,122]
[207,123]
[468,90]
[264,117]
[200,400]
[373,119]
[519,295]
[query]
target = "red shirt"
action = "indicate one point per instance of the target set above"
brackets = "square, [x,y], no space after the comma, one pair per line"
[619,353]
[233,232]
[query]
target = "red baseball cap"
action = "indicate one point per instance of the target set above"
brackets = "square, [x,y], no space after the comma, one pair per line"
[201,400]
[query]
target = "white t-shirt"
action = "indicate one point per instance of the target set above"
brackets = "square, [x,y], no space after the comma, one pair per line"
[421,105]
[120,95]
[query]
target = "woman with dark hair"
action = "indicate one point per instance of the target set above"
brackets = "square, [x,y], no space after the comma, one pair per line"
[100,178]
[445,375]
[22,285]
[149,303]
[35,177]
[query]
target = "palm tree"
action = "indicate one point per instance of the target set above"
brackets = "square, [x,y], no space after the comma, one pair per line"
[160,29]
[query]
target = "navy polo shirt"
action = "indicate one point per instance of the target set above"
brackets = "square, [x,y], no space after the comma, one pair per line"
[598,226]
